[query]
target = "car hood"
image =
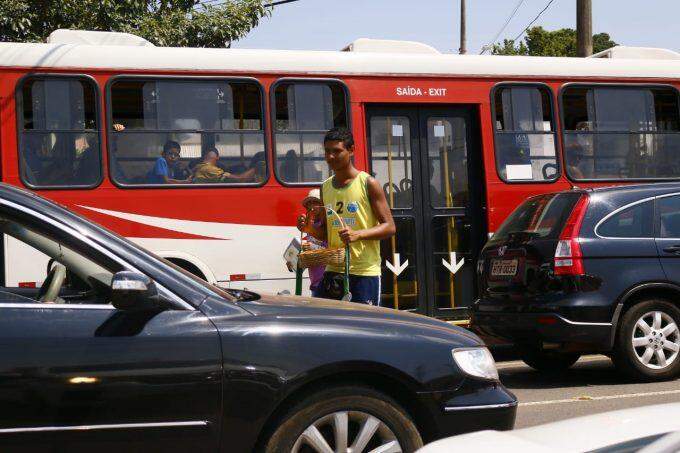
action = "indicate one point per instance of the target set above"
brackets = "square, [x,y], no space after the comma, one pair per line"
[298,307]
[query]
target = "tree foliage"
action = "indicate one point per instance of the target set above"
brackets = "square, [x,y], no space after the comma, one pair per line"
[557,43]
[194,23]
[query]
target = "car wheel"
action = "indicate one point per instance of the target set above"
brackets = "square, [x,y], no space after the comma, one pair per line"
[648,341]
[351,418]
[548,361]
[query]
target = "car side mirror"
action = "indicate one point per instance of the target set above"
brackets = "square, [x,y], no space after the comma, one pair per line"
[133,291]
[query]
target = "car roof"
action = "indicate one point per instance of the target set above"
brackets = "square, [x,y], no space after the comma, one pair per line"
[24,197]
[638,189]
[658,188]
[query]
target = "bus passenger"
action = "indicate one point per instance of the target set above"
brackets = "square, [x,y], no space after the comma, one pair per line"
[290,167]
[59,168]
[164,169]
[256,172]
[359,200]
[86,163]
[208,171]
[574,157]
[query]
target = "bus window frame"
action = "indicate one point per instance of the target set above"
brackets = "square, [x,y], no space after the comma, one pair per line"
[19,113]
[146,77]
[563,133]
[272,119]
[556,127]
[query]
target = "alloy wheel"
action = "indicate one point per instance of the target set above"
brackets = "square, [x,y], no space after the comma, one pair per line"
[656,340]
[347,432]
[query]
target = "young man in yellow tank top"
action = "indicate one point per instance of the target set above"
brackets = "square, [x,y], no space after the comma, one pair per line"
[360,201]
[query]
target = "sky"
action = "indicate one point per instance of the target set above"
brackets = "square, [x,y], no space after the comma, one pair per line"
[332,24]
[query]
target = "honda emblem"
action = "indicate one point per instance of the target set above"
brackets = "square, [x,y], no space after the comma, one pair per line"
[502,249]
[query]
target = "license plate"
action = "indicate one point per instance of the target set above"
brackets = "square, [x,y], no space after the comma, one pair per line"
[503,268]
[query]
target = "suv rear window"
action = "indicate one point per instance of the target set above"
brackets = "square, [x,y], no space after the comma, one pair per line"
[540,217]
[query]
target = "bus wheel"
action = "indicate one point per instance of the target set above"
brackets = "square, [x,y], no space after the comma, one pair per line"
[187,266]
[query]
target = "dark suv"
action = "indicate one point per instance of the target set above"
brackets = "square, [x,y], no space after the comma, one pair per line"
[586,271]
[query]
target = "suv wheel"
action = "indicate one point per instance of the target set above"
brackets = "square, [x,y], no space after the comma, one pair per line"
[648,341]
[548,361]
[349,418]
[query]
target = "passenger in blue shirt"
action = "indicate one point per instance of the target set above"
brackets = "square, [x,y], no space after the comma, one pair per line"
[162,171]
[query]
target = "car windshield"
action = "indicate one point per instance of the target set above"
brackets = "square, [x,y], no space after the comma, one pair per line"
[539,217]
[229,295]
[75,262]
[191,278]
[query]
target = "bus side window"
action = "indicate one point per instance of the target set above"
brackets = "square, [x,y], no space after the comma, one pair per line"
[59,132]
[621,132]
[199,117]
[304,112]
[525,134]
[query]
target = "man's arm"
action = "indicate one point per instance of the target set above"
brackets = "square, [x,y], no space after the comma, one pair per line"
[169,180]
[385,227]
[246,176]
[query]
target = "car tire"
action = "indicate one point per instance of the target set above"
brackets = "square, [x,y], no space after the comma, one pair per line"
[324,413]
[637,353]
[548,361]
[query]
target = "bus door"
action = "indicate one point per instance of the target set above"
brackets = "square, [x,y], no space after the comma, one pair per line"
[429,163]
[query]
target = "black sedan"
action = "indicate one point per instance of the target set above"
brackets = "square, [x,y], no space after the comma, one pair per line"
[119,350]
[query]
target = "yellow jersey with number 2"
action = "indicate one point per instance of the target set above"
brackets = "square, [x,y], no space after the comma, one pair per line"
[351,202]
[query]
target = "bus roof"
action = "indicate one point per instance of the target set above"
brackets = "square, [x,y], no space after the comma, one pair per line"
[326,63]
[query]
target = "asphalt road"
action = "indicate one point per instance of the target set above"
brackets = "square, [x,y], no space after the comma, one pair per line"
[592,385]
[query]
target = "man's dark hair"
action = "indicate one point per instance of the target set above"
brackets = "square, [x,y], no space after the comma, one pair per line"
[170,145]
[340,134]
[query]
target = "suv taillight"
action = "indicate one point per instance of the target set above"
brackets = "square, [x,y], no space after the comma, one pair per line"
[568,257]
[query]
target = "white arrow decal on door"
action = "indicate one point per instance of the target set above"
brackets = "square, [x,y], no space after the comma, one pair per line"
[453,266]
[396,268]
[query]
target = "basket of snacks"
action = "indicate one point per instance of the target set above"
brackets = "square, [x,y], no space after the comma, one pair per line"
[321,257]
[310,257]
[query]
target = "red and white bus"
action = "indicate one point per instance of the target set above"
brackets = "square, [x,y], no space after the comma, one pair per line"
[457,141]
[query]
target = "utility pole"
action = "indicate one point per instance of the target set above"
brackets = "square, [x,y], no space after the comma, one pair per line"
[463,47]
[584,28]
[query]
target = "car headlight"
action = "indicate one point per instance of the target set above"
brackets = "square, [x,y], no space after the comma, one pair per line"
[477,362]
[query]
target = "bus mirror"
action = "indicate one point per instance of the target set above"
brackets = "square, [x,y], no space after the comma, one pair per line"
[134,291]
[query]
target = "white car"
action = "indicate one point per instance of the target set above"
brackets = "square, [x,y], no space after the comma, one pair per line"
[650,428]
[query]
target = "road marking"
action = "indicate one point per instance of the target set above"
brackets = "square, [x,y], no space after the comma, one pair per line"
[598,398]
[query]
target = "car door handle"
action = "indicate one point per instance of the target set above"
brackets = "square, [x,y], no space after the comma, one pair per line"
[675,249]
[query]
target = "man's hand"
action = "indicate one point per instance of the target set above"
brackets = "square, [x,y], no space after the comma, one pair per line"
[118,127]
[348,235]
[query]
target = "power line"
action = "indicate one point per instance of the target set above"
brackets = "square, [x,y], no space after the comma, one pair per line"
[266,5]
[280,2]
[535,19]
[514,11]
